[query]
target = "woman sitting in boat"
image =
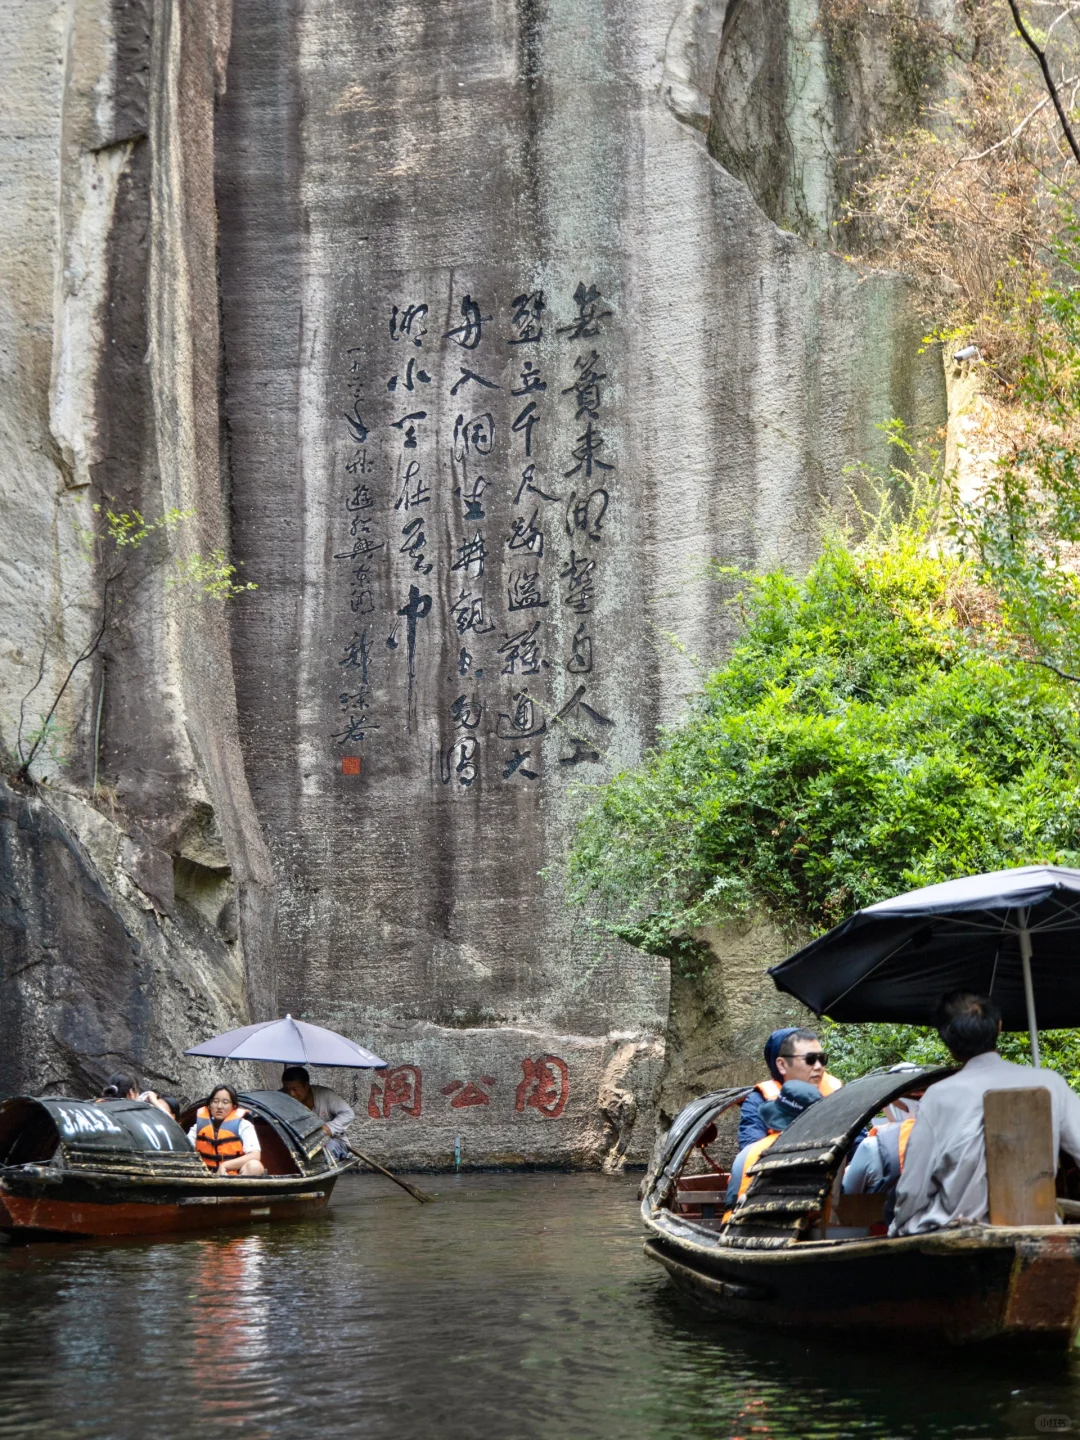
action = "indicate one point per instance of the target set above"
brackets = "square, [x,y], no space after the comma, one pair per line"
[118,1087]
[125,1087]
[224,1138]
[790,1054]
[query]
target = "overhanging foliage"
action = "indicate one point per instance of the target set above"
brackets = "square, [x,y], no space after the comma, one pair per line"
[860,741]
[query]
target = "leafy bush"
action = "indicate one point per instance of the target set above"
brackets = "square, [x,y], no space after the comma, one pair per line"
[860,741]
[855,1049]
[870,733]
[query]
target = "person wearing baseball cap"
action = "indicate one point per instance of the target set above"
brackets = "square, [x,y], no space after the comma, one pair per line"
[795,1097]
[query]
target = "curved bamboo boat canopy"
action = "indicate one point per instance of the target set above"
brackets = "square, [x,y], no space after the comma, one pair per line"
[793,1180]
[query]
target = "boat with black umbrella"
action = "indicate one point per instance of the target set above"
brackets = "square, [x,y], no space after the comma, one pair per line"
[796,1252]
[123,1167]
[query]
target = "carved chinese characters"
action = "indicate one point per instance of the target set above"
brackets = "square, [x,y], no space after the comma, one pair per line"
[544,1089]
[402,1085]
[478,489]
[545,1086]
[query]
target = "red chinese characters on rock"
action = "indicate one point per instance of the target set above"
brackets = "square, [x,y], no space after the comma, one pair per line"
[400,1086]
[545,1086]
[468,1092]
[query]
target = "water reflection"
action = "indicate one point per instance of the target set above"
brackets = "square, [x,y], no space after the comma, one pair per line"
[229,1360]
[517,1305]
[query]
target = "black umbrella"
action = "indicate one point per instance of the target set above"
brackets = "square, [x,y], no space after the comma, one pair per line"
[1012,934]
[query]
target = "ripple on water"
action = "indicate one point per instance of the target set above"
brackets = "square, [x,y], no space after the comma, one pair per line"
[517,1306]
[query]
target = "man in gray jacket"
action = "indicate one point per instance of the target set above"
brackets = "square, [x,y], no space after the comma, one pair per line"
[335,1113]
[944,1175]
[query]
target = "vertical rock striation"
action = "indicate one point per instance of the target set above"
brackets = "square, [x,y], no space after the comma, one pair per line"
[127,932]
[441,317]
[460,244]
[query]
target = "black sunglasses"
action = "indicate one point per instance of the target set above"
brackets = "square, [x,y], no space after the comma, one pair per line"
[812,1057]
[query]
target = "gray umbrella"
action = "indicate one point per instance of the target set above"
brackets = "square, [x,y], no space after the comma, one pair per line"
[290,1042]
[1008,934]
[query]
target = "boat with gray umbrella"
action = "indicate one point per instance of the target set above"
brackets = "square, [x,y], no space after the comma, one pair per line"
[70,1167]
[123,1167]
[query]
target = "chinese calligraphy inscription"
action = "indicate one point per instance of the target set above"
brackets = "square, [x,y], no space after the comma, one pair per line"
[479,468]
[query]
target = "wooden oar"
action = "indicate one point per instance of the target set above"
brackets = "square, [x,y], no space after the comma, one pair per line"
[413,1191]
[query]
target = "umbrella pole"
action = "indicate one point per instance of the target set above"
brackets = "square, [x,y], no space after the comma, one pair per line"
[1029,991]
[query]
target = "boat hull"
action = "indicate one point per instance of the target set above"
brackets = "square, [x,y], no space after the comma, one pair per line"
[973,1285]
[82,1206]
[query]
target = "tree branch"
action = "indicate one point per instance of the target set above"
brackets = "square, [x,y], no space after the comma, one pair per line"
[1013,135]
[1044,66]
[43,730]
[42,661]
[109,607]
[1046,665]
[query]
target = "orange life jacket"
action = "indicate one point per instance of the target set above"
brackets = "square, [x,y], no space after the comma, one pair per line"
[892,1155]
[905,1136]
[754,1152]
[222,1143]
[770,1089]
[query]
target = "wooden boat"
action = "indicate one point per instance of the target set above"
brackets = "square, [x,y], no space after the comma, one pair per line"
[69,1167]
[797,1254]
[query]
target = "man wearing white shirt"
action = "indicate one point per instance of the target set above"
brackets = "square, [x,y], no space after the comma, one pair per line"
[335,1113]
[944,1175]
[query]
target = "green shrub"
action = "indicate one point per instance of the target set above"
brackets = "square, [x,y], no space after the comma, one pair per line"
[859,742]
[855,1049]
[867,736]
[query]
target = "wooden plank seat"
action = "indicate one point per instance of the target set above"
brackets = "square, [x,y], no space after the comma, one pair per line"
[702,1196]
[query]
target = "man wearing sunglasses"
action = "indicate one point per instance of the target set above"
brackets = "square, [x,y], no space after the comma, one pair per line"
[791,1054]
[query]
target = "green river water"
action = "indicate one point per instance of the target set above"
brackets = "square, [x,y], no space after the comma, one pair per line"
[517,1306]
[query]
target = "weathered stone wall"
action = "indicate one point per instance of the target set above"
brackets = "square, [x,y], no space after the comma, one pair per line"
[801,90]
[723,1007]
[102,972]
[476,527]
[111,355]
[398,187]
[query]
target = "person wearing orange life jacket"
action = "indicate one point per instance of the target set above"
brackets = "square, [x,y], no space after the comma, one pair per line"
[794,1098]
[790,1054]
[225,1138]
[892,1141]
[878,1162]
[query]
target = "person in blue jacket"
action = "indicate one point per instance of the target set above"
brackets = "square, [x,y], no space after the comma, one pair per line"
[793,1053]
[776,1116]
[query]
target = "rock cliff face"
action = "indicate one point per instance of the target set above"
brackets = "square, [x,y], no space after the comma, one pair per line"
[441,318]
[800,89]
[112,355]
